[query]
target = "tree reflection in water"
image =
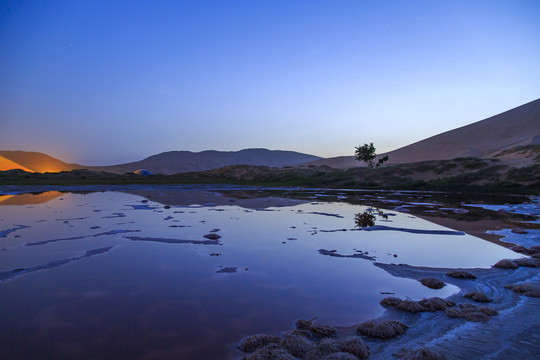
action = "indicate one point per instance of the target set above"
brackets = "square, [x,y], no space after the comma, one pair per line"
[368,217]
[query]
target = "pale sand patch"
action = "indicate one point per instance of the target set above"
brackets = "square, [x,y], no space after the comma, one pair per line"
[478,228]
[516,327]
[514,330]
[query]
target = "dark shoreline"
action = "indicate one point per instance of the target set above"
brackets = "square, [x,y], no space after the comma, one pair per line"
[458,175]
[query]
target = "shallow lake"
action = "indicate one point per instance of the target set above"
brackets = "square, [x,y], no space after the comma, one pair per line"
[185,273]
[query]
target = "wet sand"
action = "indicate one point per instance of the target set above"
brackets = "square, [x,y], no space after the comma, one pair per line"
[515,330]
[479,228]
[513,333]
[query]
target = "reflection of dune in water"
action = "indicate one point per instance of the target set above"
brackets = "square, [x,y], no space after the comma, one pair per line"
[29,199]
[177,197]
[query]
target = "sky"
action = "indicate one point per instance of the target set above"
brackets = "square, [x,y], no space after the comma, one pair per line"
[108,82]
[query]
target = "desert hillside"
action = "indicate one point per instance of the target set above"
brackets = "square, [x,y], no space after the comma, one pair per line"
[33,162]
[504,136]
[6,164]
[166,163]
[174,162]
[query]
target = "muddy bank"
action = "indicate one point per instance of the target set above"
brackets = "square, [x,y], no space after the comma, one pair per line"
[514,330]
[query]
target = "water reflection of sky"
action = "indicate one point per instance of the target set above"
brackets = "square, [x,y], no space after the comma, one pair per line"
[72,282]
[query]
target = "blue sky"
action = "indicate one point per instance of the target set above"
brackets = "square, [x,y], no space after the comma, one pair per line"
[106,82]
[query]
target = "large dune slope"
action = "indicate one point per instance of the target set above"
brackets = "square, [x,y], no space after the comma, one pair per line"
[6,164]
[484,139]
[33,161]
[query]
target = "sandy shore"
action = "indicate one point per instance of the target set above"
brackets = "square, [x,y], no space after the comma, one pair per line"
[513,333]
[515,330]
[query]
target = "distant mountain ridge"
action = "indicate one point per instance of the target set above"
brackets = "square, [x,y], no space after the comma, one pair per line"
[166,163]
[512,129]
[173,162]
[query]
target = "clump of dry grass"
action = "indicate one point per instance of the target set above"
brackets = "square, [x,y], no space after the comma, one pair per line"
[469,316]
[472,312]
[420,354]
[328,346]
[432,283]
[479,296]
[340,356]
[317,330]
[212,236]
[483,309]
[325,347]
[460,274]
[252,343]
[506,264]
[390,301]
[526,289]
[301,333]
[356,346]
[410,306]
[528,262]
[519,231]
[296,345]
[520,249]
[384,329]
[436,304]
[403,305]
[271,351]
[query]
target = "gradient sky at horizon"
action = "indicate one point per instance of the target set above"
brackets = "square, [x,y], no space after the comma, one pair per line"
[108,82]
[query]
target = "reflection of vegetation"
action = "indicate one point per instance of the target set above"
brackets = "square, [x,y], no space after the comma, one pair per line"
[365,219]
[368,217]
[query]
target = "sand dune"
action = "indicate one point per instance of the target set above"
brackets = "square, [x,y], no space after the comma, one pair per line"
[34,162]
[6,164]
[484,139]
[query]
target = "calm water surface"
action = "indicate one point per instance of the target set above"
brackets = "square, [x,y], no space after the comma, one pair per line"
[111,275]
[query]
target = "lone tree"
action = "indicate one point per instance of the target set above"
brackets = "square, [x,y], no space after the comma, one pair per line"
[366,153]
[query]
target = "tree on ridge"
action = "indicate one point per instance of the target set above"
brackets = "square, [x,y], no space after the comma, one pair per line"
[366,153]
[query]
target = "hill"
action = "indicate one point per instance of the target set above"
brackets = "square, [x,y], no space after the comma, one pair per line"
[174,162]
[33,162]
[512,136]
[6,164]
[166,163]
